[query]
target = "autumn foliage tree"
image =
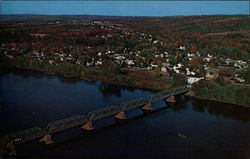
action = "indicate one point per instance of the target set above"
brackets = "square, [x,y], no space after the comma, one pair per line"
[195,62]
[193,49]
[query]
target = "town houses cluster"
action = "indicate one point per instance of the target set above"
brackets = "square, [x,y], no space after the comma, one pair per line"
[193,64]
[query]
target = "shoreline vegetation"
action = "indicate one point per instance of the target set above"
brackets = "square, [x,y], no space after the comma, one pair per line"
[223,92]
[204,90]
[111,74]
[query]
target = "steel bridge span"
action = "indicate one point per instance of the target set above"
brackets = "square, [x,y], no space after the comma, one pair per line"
[85,121]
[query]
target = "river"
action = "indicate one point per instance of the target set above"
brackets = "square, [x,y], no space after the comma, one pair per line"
[28,99]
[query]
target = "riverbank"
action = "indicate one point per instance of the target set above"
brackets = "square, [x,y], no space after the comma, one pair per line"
[132,77]
[226,92]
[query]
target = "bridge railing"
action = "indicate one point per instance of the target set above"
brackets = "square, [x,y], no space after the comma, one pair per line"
[104,112]
[60,125]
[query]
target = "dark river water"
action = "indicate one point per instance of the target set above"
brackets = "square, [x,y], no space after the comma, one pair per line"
[28,99]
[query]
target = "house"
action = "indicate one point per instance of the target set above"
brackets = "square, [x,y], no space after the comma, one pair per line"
[188,71]
[228,61]
[166,53]
[198,54]
[51,61]
[239,79]
[192,73]
[155,41]
[98,63]
[192,80]
[182,48]
[212,73]
[154,65]
[176,71]
[210,56]
[149,68]
[208,59]
[163,69]
[77,62]
[240,64]
[190,55]
[164,64]
[130,62]
[89,64]
[179,65]
[117,57]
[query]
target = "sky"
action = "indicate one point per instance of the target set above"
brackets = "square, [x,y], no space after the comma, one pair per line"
[124,8]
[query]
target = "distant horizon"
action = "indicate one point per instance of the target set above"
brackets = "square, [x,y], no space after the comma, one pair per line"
[126,8]
[127,15]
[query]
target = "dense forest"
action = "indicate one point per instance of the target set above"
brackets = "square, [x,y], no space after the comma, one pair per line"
[223,36]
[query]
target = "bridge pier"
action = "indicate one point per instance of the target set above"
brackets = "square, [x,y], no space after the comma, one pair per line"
[47,139]
[121,116]
[7,148]
[190,94]
[88,126]
[147,108]
[171,99]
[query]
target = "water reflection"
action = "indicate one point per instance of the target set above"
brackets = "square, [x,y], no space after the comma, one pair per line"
[179,107]
[222,109]
[72,80]
[22,73]
[109,89]
[218,109]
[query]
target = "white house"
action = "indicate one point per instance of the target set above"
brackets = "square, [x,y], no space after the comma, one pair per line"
[154,65]
[89,64]
[177,71]
[192,80]
[163,69]
[149,68]
[130,62]
[208,55]
[188,72]
[98,63]
[208,59]
[192,73]
[190,55]
[166,53]
[182,48]
[179,65]
[156,41]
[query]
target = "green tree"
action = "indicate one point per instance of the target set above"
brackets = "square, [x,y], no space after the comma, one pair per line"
[227,71]
[247,75]
[179,80]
